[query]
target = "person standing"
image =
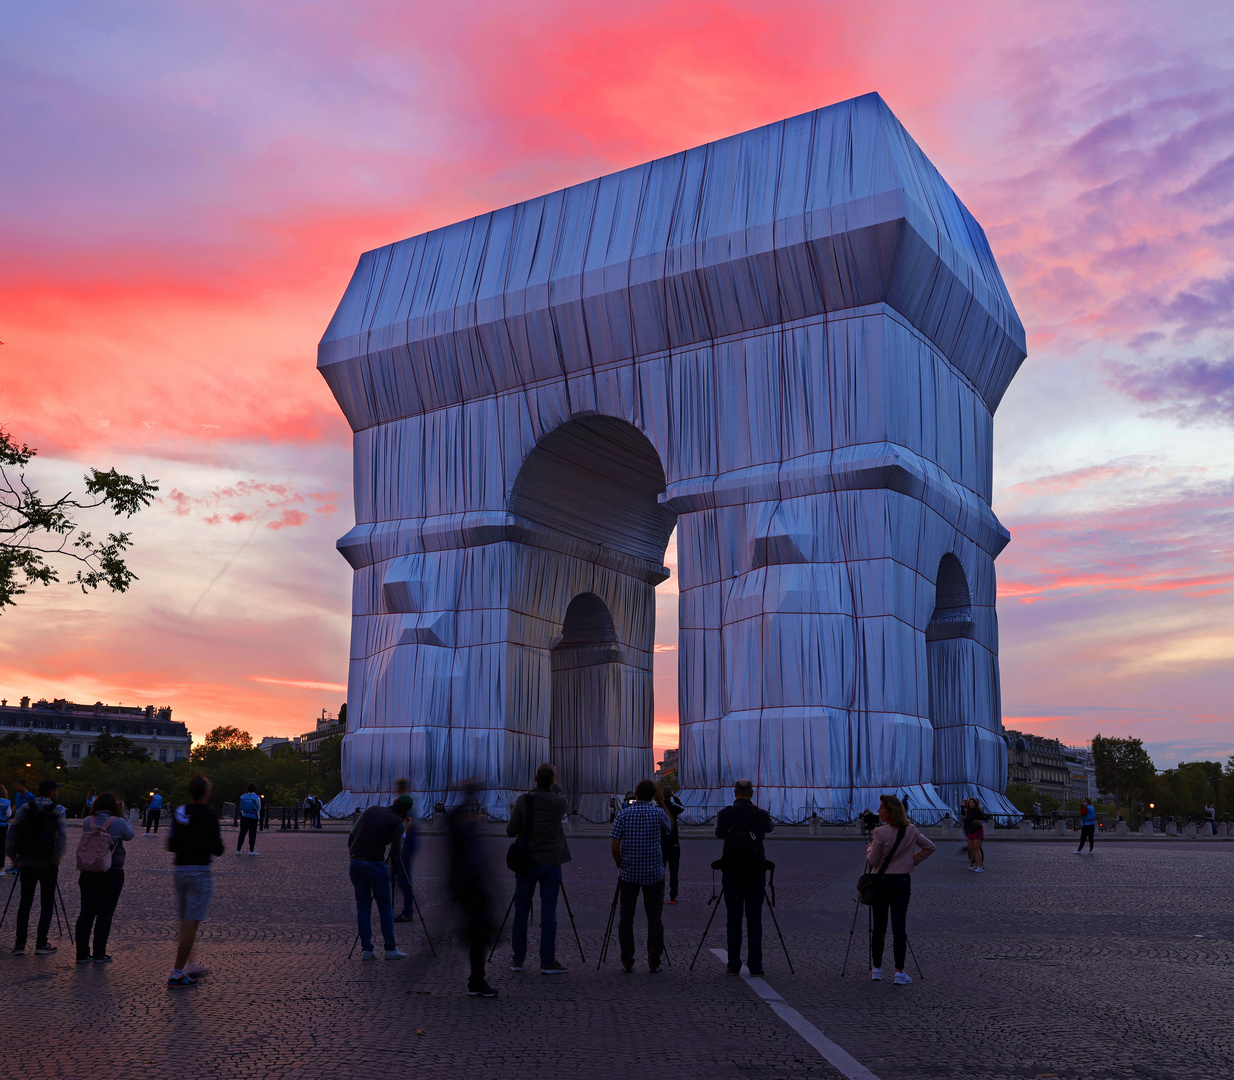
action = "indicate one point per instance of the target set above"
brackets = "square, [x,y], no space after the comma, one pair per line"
[470,888]
[1037,814]
[154,811]
[195,840]
[101,878]
[672,843]
[637,836]
[540,813]
[896,849]
[378,828]
[20,797]
[1088,825]
[6,812]
[90,801]
[742,827]
[264,822]
[974,834]
[36,842]
[250,814]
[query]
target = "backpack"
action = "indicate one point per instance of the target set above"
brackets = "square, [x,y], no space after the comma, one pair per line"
[742,858]
[35,834]
[518,855]
[94,850]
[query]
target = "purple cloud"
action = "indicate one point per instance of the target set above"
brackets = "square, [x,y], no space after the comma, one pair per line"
[1193,390]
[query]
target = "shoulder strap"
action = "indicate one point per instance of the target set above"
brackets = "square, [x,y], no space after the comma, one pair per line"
[887,861]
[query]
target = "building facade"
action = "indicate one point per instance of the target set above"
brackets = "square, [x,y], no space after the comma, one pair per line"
[1039,763]
[79,726]
[1082,775]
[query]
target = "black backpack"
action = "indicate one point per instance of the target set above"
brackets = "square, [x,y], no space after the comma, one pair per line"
[34,836]
[743,856]
[518,855]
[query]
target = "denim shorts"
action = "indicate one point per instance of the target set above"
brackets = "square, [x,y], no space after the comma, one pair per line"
[194,887]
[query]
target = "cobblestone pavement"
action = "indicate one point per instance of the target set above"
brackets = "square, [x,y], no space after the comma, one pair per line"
[1111,967]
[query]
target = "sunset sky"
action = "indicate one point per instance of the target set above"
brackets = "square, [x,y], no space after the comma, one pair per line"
[186,189]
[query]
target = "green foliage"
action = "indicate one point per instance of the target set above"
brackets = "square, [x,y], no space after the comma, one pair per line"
[109,748]
[21,760]
[1185,792]
[35,533]
[47,746]
[1124,769]
[1022,797]
[222,740]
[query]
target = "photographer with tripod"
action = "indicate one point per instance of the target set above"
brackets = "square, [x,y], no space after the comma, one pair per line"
[637,838]
[36,843]
[536,820]
[742,827]
[896,850]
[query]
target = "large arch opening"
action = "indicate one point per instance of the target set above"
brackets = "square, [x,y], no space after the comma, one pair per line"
[596,480]
[586,705]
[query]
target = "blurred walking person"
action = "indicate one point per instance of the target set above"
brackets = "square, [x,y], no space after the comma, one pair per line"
[742,827]
[400,864]
[36,841]
[471,888]
[539,814]
[974,834]
[897,848]
[6,812]
[637,847]
[195,842]
[378,830]
[1088,825]
[250,815]
[100,862]
[674,807]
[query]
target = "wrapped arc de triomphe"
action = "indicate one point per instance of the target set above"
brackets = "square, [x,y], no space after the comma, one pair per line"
[788,344]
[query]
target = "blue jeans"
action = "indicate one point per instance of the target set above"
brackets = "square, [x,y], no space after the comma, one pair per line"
[372,882]
[549,878]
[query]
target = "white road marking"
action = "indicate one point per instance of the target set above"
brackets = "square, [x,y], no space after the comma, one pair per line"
[834,1054]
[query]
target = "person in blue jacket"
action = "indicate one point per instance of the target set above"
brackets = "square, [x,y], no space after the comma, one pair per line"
[154,811]
[1088,826]
[250,815]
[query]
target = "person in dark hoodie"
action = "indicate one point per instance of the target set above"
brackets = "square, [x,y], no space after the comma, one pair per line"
[195,839]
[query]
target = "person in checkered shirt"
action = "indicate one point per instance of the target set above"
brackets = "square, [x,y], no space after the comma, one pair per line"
[637,834]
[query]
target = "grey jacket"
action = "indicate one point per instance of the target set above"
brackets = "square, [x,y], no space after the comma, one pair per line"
[548,835]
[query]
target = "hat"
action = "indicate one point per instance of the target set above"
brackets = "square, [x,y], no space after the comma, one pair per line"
[402,805]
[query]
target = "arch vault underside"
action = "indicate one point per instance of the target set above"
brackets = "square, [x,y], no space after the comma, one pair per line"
[790,344]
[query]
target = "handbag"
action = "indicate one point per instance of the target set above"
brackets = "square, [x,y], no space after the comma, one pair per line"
[869,884]
[518,855]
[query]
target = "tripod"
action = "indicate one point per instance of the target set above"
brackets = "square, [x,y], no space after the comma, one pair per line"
[870,940]
[57,904]
[569,911]
[608,930]
[769,895]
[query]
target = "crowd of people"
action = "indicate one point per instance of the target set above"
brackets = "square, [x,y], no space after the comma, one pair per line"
[644,842]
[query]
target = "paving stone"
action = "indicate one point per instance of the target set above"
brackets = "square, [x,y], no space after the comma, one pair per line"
[1102,967]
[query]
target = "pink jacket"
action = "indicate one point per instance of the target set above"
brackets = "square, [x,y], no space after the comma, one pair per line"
[902,861]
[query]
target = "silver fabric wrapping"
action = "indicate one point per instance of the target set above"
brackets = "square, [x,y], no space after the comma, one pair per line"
[790,344]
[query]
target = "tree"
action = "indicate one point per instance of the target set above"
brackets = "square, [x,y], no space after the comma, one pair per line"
[109,748]
[1124,769]
[32,531]
[46,746]
[222,741]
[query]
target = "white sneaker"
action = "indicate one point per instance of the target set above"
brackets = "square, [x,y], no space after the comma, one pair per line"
[368,954]
[1077,852]
[876,974]
[978,869]
[395,954]
[254,852]
[239,852]
[902,979]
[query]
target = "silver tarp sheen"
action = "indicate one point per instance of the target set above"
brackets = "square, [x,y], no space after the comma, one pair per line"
[789,344]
